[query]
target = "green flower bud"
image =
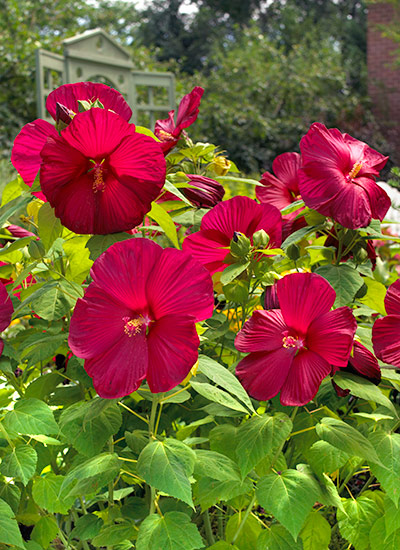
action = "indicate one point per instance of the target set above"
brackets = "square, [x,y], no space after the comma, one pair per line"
[260,239]
[240,245]
[293,252]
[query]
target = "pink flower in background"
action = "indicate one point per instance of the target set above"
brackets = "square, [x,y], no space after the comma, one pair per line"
[25,155]
[6,311]
[167,131]
[100,175]
[210,245]
[292,349]
[137,318]
[337,177]
[386,331]
[363,363]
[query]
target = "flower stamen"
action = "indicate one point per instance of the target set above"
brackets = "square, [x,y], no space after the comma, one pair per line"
[132,326]
[354,171]
[292,342]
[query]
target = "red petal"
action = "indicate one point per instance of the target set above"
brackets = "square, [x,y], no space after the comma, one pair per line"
[68,95]
[262,332]
[25,155]
[273,191]
[6,309]
[386,339]
[210,247]
[263,374]
[173,350]
[379,200]
[331,336]
[303,297]
[365,363]
[188,109]
[305,376]
[286,167]
[392,299]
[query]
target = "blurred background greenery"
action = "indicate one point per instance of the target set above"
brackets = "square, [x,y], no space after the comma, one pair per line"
[269,68]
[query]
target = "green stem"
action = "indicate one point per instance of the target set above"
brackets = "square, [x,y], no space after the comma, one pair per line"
[208,528]
[347,479]
[246,515]
[368,483]
[152,434]
[111,483]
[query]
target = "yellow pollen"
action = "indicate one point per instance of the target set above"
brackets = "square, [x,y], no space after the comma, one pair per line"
[132,327]
[98,181]
[290,342]
[354,171]
[165,135]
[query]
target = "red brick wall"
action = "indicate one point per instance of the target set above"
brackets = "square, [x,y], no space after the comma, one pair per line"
[383,78]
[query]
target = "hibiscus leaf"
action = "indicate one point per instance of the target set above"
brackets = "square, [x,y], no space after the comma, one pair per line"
[173,531]
[91,476]
[260,437]
[31,416]
[166,465]
[13,189]
[20,463]
[380,539]
[316,533]
[232,271]
[164,220]
[99,243]
[345,280]
[249,532]
[300,234]
[289,496]
[215,465]
[212,393]
[9,531]
[209,492]
[49,226]
[277,538]
[388,447]
[356,520]
[47,494]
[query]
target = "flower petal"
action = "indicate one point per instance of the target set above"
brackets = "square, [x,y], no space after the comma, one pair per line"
[379,200]
[25,155]
[173,350]
[305,376]
[386,339]
[188,109]
[286,167]
[263,374]
[69,94]
[331,336]
[273,191]
[6,308]
[392,299]
[364,363]
[209,247]
[262,332]
[303,297]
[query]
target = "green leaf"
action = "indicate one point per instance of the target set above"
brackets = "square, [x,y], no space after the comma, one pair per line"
[166,465]
[216,466]
[174,531]
[209,491]
[47,493]
[45,530]
[44,385]
[392,515]
[212,393]
[223,440]
[329,494]
[168,186]
[232,271]
[164,220]
[5,253]
[57,300]
[87,527]
[345,280]
[9,531]
[114,534]
[249,533]
[13,189]
[11,494]
[277,538]
[361,387]
[13,206]
[300,234]
[316,533]
[346,438]
[99,243]
[78,260]
[375,296]
[92,475]
[31,416]
[324,458]
[259,437]
[88,425]
[380,539]
[40,347]
[20,463]
[223,377]
[289,496]
[222,545]
[388,447]
[357,519]
[49,226]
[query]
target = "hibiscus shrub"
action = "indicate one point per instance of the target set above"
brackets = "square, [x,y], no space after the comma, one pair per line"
[181,371]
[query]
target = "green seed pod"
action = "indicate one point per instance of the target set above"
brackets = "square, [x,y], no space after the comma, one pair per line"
[240,245]
[260,239]
[293,252]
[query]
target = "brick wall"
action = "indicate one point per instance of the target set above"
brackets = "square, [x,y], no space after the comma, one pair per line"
[383,78]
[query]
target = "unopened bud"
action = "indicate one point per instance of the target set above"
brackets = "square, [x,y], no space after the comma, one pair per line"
[293,252]
[240,245]
[260,239]
[360,255]
[63,116]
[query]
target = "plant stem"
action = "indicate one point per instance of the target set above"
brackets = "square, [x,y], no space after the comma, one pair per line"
[246,515]
[152,434]
[208,528]
[111,483]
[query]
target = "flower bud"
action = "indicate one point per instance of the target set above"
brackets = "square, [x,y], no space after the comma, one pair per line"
[220,165]
[240,245]
[271,297]
[206,192]
[260,239]
[63,116]
[293,252]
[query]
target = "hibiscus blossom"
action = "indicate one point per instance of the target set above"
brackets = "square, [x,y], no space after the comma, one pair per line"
[25,155]
[363,363]
[100,175]
[292,348]
[386,331]
[137,318]
[6,311]
[167,131]
[211,244]
[337,177]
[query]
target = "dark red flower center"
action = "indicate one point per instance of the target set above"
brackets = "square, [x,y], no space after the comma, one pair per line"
[135,325]
[98,172]
[354,171]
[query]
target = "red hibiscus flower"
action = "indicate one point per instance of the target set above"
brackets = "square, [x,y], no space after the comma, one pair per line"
[386,331]
[338,177]
[100,175]
[203,193]
[25,155]
[167,131]
[211,244]
[363,363]
[137,318]
[282,189]
[6,311]
[292,348]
